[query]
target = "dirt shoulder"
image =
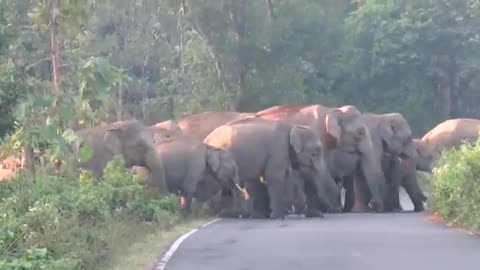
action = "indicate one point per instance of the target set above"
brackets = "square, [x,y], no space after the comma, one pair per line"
[145,252]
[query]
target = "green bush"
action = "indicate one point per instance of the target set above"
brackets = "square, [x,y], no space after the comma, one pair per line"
[456,186]
[73,222]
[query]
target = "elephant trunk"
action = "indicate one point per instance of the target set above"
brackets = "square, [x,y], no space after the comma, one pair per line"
[410,151]
[156,180]
[375,180]
[327,189]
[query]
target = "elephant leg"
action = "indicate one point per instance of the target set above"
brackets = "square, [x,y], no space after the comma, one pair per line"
[276,186]
[186,205]
[362,195]
[313,209]
[395,174]
[349,194]
[228,205]
[392,199]
[414,192]
[300,201]
[258,204]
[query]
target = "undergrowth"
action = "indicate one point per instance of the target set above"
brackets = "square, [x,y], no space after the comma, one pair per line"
[76,221]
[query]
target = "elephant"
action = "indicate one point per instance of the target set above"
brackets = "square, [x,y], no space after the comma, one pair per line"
[392,137]
[166,129]
[265,152]
[129,139]
[296,199]
[402,173]
[451,134]
[348,145]
[194,169]
[201,124]
[425,156]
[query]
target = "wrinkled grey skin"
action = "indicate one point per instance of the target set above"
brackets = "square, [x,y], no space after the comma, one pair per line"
[402,173]
[199,125]
[163,130]
[297,202]
[391,134]
[348,147]
[425,157]
[126,138]
[194,169]
[269,149]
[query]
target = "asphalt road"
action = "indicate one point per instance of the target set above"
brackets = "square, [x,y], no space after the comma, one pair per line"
[386,241]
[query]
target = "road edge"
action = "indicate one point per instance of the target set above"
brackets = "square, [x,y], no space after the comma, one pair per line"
[162,263]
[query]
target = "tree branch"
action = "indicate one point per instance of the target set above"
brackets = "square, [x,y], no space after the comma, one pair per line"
[210,47]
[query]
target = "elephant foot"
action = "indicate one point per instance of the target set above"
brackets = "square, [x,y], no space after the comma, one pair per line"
[361,209]
[419,208]
[397,209]
[376,206]
[227,214]
[278,214]
[258,215]
[314,214]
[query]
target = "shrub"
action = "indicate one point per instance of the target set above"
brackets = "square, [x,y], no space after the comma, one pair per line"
[70,222]
[456,186]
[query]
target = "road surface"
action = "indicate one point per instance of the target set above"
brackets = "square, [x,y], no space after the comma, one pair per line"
[384,241]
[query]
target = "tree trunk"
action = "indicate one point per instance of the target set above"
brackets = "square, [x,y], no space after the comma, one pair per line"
[120,102]
[181,14]
[53,9]
[143,85]
[171,107]
[212,52]
[237,17]
[271,11]
[27,158]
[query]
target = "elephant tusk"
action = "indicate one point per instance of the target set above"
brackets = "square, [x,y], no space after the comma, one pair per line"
[239,187]
[244,192]
[183,201]
[262,179]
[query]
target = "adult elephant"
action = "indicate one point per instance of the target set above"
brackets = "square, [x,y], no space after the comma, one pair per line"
[199,125]
[129,139]
[197,170]
[391,139]
[266,151]
[348,145]
[451,133]
[166,129]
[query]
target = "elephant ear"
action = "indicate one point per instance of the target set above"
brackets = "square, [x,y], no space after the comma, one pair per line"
[387,129]
[113,141]
[332,124]
[296,139]
[222,163]
[214,159]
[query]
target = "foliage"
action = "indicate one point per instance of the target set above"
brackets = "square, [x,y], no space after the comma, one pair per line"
[419,58]
[64,222]
[456,186]
[160,59]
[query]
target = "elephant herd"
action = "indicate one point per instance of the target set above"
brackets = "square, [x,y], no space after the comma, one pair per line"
[281,160]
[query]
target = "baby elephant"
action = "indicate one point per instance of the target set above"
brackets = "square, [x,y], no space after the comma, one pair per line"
[190,166]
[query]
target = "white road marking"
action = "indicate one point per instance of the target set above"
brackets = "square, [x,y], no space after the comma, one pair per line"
[163,262]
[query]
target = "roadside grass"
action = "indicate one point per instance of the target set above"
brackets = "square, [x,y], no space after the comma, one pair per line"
[142,248]
[455,195]
[77,221]
[425,181]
